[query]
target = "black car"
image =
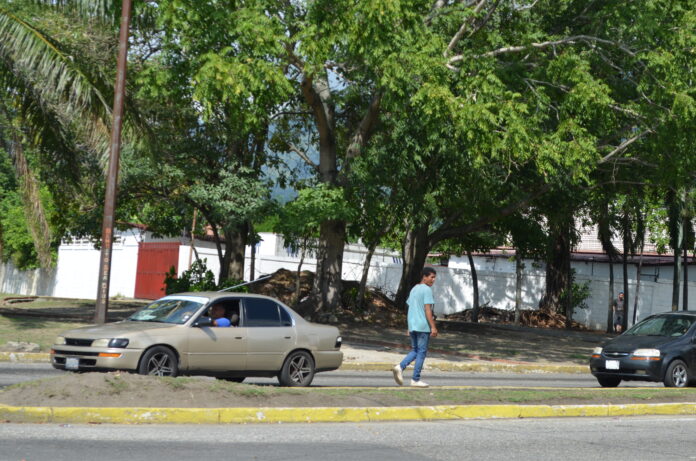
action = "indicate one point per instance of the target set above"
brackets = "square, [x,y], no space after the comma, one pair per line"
[661,347]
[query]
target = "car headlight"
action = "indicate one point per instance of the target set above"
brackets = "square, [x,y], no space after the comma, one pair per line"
[120,343]
[59,340]
[646,354]
[339,340]
[110,342]
[597,351]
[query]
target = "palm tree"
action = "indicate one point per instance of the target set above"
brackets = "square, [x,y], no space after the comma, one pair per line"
[49,100]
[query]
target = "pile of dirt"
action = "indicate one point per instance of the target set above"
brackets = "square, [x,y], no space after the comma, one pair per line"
[528,318]
[376,308]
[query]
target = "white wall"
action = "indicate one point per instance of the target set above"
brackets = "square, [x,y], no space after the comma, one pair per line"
[77,271]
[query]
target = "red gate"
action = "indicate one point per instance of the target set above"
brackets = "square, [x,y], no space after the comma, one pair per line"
[154,261]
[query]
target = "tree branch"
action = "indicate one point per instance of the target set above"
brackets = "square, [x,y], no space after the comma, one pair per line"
[303,155]
[621,147]
[465,25]
[362,133]
[551,43]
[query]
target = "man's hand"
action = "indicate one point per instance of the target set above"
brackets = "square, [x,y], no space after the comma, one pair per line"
[433,332]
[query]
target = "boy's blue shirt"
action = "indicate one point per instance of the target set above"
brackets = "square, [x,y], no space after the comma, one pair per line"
[420,295]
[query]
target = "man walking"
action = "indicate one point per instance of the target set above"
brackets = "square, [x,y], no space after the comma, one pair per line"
[421,326]
[618,309]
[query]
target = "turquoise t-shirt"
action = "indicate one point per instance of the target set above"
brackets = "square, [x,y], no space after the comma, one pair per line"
[420,295]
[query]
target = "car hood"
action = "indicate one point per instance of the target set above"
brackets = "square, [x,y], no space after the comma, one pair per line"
[628,343]
[114,330]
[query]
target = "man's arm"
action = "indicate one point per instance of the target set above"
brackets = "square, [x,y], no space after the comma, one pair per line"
[431,320]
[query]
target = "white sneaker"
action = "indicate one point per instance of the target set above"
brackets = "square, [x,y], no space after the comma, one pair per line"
[419,384]
[398,375]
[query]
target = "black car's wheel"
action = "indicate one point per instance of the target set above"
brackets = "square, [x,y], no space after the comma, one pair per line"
[159,361]
[298,370]
[234,379]
[608,381]
[677,374]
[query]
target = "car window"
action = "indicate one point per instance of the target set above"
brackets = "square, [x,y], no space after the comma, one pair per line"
[260,312]
[169,310]
[665,325]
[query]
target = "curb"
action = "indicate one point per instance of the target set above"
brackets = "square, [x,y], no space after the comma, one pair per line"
[474,367]
[88,415]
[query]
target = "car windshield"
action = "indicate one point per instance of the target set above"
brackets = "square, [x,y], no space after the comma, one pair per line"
[662,325]
[169,310]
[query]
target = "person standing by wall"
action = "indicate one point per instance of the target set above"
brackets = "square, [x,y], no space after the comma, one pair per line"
[618,309]
[421,327]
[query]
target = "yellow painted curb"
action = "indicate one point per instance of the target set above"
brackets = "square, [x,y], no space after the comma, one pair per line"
[84,415]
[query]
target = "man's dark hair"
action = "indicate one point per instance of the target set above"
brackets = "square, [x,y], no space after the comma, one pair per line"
[427,271]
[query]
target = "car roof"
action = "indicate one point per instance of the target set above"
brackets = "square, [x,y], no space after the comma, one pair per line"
[670,313]
[222,294]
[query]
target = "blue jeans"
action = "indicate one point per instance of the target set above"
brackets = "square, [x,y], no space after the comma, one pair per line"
[419,349]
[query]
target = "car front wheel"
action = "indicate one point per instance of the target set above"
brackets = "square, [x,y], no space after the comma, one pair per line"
[298,370]
[677,374]
[608,381]
[159,361]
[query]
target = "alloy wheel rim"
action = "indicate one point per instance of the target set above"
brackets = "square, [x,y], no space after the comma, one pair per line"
[299,369]
[159,365]
[679,376]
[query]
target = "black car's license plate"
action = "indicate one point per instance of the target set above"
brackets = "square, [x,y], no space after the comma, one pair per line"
[612,365]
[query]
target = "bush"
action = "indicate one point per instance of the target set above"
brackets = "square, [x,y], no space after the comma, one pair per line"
[197,278]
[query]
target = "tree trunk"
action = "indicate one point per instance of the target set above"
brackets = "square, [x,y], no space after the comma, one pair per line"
[327,281]
[638,272]
[610,312]
[296,295]
[252,263]
[415,252]
[365,272]
[233,259]
[624,261]
[474,283]
[676,277]
[569,306]
[556,267]
[685,297]
[518,286]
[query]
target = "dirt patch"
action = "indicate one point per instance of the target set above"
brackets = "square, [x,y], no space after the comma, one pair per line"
[118,389]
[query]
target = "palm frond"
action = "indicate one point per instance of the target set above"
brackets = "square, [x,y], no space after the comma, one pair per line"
[51,83]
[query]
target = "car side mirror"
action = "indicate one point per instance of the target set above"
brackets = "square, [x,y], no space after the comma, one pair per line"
[203,322]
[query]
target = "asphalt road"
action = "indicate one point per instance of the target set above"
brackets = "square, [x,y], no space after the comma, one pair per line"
[635,438]
[12,373]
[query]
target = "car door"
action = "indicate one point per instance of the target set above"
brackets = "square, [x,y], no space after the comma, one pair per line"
[270,333]
[217,348]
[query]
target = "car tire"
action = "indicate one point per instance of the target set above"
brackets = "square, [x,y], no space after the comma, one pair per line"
[298,370]
[677,374]
[159,361]
[608,381]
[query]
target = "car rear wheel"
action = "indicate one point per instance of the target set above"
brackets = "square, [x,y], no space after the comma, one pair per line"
[159,361]
[608,381]
[298,370]
[677,374]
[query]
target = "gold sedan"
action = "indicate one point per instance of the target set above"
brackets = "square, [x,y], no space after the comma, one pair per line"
[227,335]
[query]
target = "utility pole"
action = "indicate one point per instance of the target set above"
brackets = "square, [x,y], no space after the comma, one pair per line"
[112,174]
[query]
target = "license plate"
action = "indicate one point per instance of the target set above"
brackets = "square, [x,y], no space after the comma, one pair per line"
[72,363]
[612,365]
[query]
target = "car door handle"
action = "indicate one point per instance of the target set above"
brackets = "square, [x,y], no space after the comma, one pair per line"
[288,337]
[238,337]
